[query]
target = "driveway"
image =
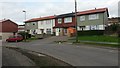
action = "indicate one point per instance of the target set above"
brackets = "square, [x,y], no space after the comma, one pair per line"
[75,55]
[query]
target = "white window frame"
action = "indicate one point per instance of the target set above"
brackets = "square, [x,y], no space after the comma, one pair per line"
[82,18]
[68,20]
[93,16]
[59,22]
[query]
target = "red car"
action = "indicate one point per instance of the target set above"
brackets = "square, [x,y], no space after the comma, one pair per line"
[14,39]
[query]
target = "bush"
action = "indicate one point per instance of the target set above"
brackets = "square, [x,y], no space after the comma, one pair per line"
[91,32]
[25,34]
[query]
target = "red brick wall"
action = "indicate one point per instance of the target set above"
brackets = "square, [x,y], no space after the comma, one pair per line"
[9,26]
[64,24]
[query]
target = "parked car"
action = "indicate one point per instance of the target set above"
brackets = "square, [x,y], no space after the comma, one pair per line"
[14,39]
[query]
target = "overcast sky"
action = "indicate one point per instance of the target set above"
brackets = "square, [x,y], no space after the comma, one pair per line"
[38,8]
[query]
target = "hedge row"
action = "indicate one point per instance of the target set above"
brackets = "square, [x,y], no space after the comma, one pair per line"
[91,32]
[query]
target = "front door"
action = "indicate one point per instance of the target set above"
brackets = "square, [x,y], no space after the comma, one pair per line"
[57,30]
[65,31]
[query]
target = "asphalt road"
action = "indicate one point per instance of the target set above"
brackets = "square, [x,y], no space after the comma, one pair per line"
[75,55]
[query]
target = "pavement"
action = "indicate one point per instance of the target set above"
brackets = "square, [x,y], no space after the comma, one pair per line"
[0,53]
[75,55]
[14,58]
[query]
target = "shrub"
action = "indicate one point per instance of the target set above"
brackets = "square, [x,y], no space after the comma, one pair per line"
[25,34]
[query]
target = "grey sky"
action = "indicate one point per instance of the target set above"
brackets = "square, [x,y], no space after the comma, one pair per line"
[38,8]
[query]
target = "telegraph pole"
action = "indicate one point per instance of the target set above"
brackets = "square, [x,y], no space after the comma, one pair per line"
[25,20]
[76,21]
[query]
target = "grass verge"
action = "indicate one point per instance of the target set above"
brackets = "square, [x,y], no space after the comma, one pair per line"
[99,38]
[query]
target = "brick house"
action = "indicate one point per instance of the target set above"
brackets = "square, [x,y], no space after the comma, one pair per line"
[8,28]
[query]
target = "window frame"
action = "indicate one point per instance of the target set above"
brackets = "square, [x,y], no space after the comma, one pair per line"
[93,16]
[82,19]
[67,21]
[59,20]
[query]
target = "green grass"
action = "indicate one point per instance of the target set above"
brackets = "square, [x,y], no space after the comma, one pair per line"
[99,38]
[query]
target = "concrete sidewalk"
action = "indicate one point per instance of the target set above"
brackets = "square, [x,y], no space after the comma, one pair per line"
[13,58]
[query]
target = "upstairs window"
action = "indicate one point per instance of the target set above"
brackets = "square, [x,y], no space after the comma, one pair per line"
[82,18]
[59,20]
[68,20]
[93,16]
[34,23]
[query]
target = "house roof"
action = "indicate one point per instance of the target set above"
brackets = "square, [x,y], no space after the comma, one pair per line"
[5,20]
[41,18]
[100,10]
[65,15]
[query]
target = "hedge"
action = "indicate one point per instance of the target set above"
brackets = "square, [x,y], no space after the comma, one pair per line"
[90,32]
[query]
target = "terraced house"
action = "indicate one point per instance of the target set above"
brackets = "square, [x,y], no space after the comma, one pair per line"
[40,25]
[64,24]
[95,19]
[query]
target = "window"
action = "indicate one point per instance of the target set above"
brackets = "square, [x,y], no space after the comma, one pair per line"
[93,16]
[82,18]
[94,27]
[68,19]
[48,31]
[34,23]
[59,20]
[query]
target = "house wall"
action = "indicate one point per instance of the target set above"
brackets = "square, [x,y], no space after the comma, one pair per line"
[63,24]
[6,35]
[99,23]
[90,22]
[46,24]
[31,26]
[9,26]
[62,27]
[21,28]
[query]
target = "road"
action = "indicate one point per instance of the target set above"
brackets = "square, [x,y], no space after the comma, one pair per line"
[75,55]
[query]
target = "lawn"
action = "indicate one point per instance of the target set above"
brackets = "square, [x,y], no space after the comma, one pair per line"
[99,38]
